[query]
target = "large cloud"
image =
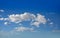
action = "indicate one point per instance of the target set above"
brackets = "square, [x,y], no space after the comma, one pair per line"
[21,17]
[36,20]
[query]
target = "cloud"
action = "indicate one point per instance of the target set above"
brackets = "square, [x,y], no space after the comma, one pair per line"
[48,19]
[51,23]
[1,18]
[24,29]
[5,23]
[1,10]
[4,19]
[21,17]
[36,20]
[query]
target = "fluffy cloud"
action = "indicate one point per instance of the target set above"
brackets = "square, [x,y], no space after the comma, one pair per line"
[21,17]
[36,20]
[24,29]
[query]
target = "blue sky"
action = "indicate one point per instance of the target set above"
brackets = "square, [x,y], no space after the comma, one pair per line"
[29,18]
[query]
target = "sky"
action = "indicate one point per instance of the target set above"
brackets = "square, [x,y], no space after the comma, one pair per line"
[29,18]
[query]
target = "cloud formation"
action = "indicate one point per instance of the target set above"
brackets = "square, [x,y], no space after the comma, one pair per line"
[39,19]
[36,20]
[21,17]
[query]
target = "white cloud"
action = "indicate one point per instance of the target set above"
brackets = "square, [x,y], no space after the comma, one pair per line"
[35,24]
[24,29]
[1,10]
[38,20]
[17,18]
[21,17]
[6,23]
[4,19]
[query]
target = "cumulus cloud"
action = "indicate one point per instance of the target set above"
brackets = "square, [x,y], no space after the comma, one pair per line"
[36,20]
[21,17]
[24,29]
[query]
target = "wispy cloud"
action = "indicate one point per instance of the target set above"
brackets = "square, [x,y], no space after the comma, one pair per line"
[21,29]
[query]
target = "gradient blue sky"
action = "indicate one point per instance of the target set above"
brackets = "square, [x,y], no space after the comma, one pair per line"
[49,8]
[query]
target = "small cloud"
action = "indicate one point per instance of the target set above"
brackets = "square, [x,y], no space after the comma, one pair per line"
[4,19]
[51,23]
[22,29]
[1,18]
[1,10]
[20,24]
[49,19]
[5,23]
[36,20]
[40,19]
